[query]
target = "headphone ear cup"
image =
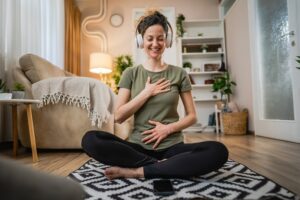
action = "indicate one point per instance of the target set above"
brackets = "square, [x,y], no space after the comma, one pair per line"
[169,40]
[139,41]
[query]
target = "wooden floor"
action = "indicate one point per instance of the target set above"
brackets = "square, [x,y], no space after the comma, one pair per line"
[277,160]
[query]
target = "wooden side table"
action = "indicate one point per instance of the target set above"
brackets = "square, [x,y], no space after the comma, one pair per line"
[14,103]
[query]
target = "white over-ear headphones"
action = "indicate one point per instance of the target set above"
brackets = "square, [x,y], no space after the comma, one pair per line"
[140,41]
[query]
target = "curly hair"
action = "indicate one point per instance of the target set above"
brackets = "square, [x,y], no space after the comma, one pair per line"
[152,18]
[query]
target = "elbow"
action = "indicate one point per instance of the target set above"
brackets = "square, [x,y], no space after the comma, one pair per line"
[118,119]
[194,119]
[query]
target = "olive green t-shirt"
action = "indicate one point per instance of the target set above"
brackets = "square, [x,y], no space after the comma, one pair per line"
[162,107]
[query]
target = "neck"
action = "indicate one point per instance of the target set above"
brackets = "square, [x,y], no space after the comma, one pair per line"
[155,65]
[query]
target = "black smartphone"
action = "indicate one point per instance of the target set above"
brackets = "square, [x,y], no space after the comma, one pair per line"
[163,187]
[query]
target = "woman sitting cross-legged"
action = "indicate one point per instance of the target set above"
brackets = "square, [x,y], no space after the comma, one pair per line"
[151,92]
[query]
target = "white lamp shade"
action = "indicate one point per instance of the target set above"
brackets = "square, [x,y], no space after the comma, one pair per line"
[100,63]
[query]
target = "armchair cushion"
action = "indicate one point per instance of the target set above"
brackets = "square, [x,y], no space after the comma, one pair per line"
[37,68]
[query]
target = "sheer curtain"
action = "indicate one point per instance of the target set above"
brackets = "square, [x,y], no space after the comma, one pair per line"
[29,26]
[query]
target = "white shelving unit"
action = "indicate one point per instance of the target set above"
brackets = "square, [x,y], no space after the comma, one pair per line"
[205,65]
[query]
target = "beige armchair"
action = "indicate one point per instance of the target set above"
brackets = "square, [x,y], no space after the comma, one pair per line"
[56,125]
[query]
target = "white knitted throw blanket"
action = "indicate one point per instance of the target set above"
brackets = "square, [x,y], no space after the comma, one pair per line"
[87,93]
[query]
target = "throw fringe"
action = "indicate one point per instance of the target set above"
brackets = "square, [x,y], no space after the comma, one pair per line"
[82,102]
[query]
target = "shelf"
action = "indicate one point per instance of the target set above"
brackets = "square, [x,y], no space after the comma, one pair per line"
[198,33]
[206,100]
[205,73]
[200,54]
[204,21]
[194,40]
[201,85]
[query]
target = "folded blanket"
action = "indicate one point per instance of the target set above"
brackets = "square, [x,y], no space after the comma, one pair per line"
[87,93]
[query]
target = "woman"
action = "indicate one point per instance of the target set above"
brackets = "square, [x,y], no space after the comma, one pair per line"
[151,92]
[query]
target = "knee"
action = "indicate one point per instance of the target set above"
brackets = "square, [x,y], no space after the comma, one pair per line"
[93,139]
[88,139]
[221,151]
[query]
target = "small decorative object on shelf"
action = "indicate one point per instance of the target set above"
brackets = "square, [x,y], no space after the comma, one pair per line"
[209,67]
[200,34]
[204,48]
[180,31]
[222,68]
[196,69]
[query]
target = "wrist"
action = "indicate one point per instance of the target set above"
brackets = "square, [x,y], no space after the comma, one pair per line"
[170,129]
[146,93]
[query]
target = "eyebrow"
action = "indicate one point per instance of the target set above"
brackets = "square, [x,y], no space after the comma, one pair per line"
[151,36]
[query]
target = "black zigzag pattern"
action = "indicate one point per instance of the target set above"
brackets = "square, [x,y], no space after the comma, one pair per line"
[232,181]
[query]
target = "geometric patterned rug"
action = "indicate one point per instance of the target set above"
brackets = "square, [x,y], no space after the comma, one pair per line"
[232,181]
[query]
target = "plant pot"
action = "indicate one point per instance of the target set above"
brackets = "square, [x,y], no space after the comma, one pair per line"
[18,94]
[5,96]
[187,69]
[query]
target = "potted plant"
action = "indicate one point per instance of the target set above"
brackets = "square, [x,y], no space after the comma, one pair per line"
[224,84]
[179,26]
[187,66]
[121,63]
[4,94]
[18,91]
[298,61]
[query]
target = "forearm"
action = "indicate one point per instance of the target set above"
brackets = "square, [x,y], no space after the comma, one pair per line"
[128,109]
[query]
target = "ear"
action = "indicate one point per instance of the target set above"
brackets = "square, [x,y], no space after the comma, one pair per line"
[139,41]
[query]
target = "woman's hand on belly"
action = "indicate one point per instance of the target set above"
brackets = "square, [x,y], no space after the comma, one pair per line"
[157,134]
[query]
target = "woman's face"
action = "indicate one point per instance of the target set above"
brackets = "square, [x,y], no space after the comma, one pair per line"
[154,41]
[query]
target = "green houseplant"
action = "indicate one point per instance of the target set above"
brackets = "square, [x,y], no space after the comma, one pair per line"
[298,61]
[121,63]
[179,26]
[4,92]
[224,85]
[18,91]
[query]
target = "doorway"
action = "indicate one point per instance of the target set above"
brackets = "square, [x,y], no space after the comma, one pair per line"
[274,35]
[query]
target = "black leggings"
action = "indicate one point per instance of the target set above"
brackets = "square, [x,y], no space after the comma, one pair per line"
[183,160]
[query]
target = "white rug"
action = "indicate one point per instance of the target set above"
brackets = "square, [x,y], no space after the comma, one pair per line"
[232,181]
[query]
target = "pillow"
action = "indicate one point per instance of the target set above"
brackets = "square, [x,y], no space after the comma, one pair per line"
[37,68]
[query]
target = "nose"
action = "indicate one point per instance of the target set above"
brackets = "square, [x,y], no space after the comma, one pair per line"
[155,42]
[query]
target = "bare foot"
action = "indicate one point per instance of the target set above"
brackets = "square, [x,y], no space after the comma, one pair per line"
[119,172]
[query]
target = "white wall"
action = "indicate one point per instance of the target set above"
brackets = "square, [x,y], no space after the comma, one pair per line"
[120,39]
[238,55]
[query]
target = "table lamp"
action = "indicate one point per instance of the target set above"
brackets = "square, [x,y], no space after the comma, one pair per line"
[100,63]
